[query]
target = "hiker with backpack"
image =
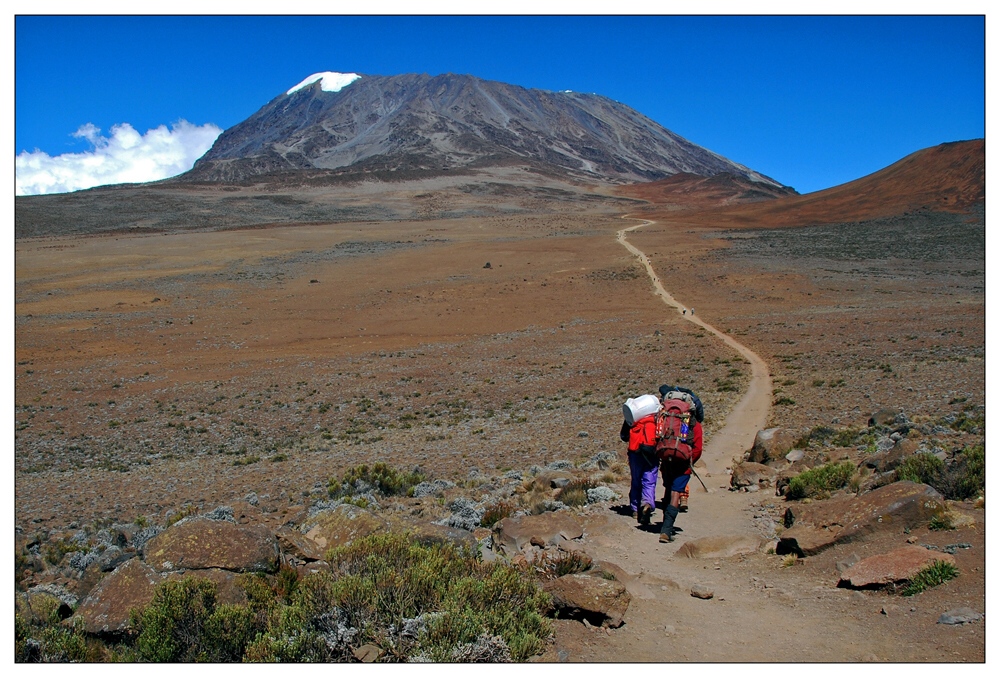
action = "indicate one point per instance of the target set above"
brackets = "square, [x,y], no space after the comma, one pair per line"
[639,431]
[679,445]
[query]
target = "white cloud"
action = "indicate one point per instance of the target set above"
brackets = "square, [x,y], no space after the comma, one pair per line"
[123,157]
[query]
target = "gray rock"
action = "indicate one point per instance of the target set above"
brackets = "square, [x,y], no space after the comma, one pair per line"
[794,455]
[559,465]
[843,565]
[771,444]
[959,615]
[559,483]
[702,591]
[594,600]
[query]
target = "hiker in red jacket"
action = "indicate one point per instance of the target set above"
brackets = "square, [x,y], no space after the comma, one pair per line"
[643,464]
[679,445]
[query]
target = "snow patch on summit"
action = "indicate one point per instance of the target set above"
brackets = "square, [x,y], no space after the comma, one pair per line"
[330,81]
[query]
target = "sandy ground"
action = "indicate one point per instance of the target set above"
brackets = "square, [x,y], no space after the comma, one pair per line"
[155,372]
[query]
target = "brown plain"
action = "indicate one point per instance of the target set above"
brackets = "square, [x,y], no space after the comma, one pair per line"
[146,365]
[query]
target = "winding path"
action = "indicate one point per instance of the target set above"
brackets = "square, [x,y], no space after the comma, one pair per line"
[750,413]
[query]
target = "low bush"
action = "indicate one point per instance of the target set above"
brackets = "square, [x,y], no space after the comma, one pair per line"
[965,477]
[497,512]
[922,467]
[437,602]
[820,481]
[46,641]
[380,477]
[575,492]
[934,574]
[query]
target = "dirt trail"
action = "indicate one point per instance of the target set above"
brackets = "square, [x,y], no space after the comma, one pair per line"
[760,612]
[750,413]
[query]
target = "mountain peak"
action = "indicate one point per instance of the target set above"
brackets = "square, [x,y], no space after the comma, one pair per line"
[396,125]
[330,81]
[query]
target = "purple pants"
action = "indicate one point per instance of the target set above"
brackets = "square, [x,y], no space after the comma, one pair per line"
[644,474]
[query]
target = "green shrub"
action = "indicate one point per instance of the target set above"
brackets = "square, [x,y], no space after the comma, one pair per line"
[846,438]
[934,574]
[965,477]
[922,467]
[45,640]
[941,521]
[820,481]
[382,579]
[380,477]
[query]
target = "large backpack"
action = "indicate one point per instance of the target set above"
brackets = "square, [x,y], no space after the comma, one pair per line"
[674,391]
[675,429]
[642,435]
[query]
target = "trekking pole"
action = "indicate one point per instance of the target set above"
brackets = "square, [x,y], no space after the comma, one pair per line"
[697,476]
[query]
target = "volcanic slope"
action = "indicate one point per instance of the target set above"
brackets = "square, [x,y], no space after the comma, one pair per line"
[445,122]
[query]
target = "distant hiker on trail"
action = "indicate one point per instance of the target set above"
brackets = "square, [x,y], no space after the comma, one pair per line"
[679,445]
[639,431]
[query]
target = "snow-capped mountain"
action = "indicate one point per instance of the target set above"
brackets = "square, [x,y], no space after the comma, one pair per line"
[363,124]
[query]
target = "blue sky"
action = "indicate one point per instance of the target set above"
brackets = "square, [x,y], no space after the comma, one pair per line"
[812,101]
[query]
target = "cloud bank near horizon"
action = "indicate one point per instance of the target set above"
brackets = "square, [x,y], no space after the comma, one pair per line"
[125,156]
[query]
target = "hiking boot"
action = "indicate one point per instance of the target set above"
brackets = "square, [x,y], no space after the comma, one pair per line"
[667,528]
[645,513]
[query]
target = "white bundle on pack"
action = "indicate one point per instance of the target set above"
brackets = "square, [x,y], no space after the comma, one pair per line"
[635,409]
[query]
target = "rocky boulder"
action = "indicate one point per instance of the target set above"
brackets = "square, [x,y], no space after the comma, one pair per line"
[513,533]
[895,507]
[296,545]
[200,544]
[896,566]
[720,546]
[341,525]
[888,460]
[887,416]
[771,444]
[106,610]
[599,601]
[750,473]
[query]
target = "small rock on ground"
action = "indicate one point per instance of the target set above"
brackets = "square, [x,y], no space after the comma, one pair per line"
[702,591]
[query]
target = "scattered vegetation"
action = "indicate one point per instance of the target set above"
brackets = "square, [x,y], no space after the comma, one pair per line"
[941,521]
[820,481]
[555,564]
[922,467]
[497,512]
[964,478]
[818,434]
[934,574]
[379,477]
[575,493]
